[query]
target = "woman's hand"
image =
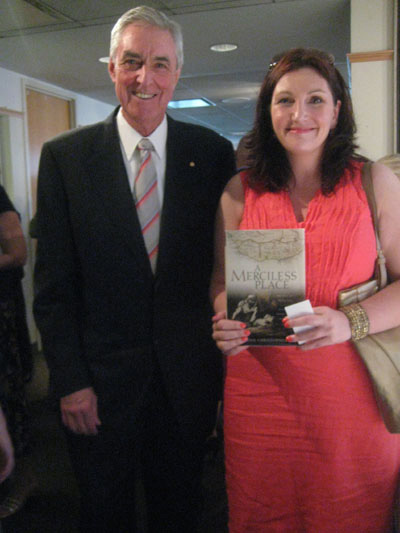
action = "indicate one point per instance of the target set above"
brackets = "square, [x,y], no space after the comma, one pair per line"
[329,326]
[229,335]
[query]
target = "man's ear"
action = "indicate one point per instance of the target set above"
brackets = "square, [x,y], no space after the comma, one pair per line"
[111,69]
[177,76]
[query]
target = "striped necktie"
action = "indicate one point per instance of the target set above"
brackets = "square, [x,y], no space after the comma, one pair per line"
[147,201]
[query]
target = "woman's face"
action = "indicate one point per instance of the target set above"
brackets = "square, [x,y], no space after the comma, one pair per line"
[303,112]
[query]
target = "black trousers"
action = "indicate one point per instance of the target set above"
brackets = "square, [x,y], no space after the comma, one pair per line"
[148,450]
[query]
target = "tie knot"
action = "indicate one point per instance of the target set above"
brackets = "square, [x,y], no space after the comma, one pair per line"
[145,144]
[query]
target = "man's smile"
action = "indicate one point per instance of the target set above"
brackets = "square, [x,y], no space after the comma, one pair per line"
[144,96]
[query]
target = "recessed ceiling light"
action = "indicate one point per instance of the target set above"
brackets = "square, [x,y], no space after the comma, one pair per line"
[192,102]
[104,59]
[223,47]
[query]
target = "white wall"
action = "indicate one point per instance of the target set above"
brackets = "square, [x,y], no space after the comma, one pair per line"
[14,124]
[373,82]
[12,96]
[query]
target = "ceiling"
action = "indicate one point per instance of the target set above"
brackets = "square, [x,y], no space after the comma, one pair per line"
[61,41]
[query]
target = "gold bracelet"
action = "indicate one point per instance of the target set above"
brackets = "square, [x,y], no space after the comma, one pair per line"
[358,318]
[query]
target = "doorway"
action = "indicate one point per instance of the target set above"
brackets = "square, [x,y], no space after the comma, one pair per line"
[47,116]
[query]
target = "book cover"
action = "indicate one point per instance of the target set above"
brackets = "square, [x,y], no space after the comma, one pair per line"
[264,272]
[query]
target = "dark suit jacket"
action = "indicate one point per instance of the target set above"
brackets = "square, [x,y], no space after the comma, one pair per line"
[105,320]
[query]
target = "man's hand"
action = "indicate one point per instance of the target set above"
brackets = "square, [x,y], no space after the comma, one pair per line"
[79,411]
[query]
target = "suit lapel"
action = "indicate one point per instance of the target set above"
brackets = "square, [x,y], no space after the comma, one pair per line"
[180,174]
[110,185]
[173,178]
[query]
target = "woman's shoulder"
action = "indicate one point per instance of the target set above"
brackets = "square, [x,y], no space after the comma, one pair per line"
[384,180]
[239,186]
[382,174]
[232,200]
[235,186]
[386,187]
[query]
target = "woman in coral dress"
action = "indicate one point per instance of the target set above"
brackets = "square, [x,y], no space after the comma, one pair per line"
[306,448]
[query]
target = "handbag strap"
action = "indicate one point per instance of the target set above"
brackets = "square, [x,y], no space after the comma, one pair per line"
[380,263]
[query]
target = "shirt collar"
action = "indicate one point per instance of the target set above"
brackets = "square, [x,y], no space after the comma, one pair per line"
[130,137]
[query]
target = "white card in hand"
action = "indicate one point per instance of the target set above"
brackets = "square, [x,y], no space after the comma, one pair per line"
[295,310]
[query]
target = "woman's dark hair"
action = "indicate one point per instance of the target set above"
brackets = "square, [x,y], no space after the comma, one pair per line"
[270,168]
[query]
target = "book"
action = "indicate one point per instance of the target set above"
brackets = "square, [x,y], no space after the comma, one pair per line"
[264,272]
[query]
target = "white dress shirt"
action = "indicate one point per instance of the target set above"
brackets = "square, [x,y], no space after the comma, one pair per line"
[129,139]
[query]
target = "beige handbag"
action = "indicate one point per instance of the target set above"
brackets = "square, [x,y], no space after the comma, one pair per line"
[380,352]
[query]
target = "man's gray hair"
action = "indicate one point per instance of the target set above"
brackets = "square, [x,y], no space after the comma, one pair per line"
[152,17]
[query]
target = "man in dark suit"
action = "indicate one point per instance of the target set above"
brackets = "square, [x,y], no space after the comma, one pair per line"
[126,330]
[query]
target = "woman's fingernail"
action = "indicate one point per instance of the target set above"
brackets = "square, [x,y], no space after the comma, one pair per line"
[244,339]
[243,325]
[247,332]
[290,338]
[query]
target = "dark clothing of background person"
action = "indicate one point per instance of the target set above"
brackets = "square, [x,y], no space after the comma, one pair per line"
[15,349]
[143,342]
[16,360]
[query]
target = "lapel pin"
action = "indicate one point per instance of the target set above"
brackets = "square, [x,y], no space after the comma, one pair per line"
[192,164]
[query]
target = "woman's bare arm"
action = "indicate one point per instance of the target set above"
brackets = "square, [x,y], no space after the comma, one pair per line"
[229,335]
[12,242]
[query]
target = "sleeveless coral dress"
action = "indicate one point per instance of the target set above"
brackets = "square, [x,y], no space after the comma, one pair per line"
[306,449]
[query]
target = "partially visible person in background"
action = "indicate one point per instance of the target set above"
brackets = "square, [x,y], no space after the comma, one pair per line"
[6,449]
[16,361]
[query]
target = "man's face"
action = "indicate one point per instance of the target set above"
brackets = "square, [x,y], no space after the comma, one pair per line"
[144,71]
